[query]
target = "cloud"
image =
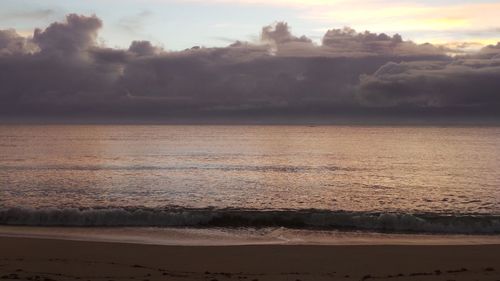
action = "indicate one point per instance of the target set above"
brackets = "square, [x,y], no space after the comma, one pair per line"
[347,40]
[462,85]
[280,39]
[279,33]
[76,34]
[134,24]
[63,73]
[339,37]
[491,51]
[68,72]
[40,14]
[12,43]
[144,48]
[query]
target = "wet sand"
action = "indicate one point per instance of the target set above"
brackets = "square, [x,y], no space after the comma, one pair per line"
[50,259]
[239,236]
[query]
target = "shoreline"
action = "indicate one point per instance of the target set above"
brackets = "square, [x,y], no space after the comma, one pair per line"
[238,236]
[54,260]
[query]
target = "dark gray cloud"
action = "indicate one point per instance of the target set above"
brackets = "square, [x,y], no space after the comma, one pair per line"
[74,36]
[461,86]
[279,33]
[491,51]
[281,41]
[63,73]
[144,48]
[348,41]
[66,74]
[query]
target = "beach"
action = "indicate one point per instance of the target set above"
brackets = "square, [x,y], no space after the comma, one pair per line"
[249,140]
[53,259]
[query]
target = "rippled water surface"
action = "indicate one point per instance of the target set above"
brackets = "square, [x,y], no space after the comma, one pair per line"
[386,169]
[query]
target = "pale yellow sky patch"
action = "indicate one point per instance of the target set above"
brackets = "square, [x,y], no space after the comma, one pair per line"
[391,16]
[25,33]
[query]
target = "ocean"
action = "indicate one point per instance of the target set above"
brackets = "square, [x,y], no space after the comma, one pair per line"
[380,179]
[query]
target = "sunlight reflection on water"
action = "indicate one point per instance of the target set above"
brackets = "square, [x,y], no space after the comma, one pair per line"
[409,169]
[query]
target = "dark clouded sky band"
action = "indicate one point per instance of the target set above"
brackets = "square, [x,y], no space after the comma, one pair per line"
[62,73]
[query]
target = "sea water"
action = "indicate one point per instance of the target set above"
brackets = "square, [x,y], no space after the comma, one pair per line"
[383,179]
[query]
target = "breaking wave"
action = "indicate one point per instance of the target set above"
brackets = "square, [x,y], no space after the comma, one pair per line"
[208,217]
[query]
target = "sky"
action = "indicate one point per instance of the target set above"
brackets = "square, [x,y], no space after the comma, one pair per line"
[179,24]
[253,61]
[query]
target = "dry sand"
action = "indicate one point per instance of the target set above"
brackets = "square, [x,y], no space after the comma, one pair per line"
[48,259]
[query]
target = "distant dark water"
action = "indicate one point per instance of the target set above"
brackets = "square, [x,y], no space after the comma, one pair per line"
[422,179]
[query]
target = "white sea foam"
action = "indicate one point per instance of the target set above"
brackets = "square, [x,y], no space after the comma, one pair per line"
[295,219]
